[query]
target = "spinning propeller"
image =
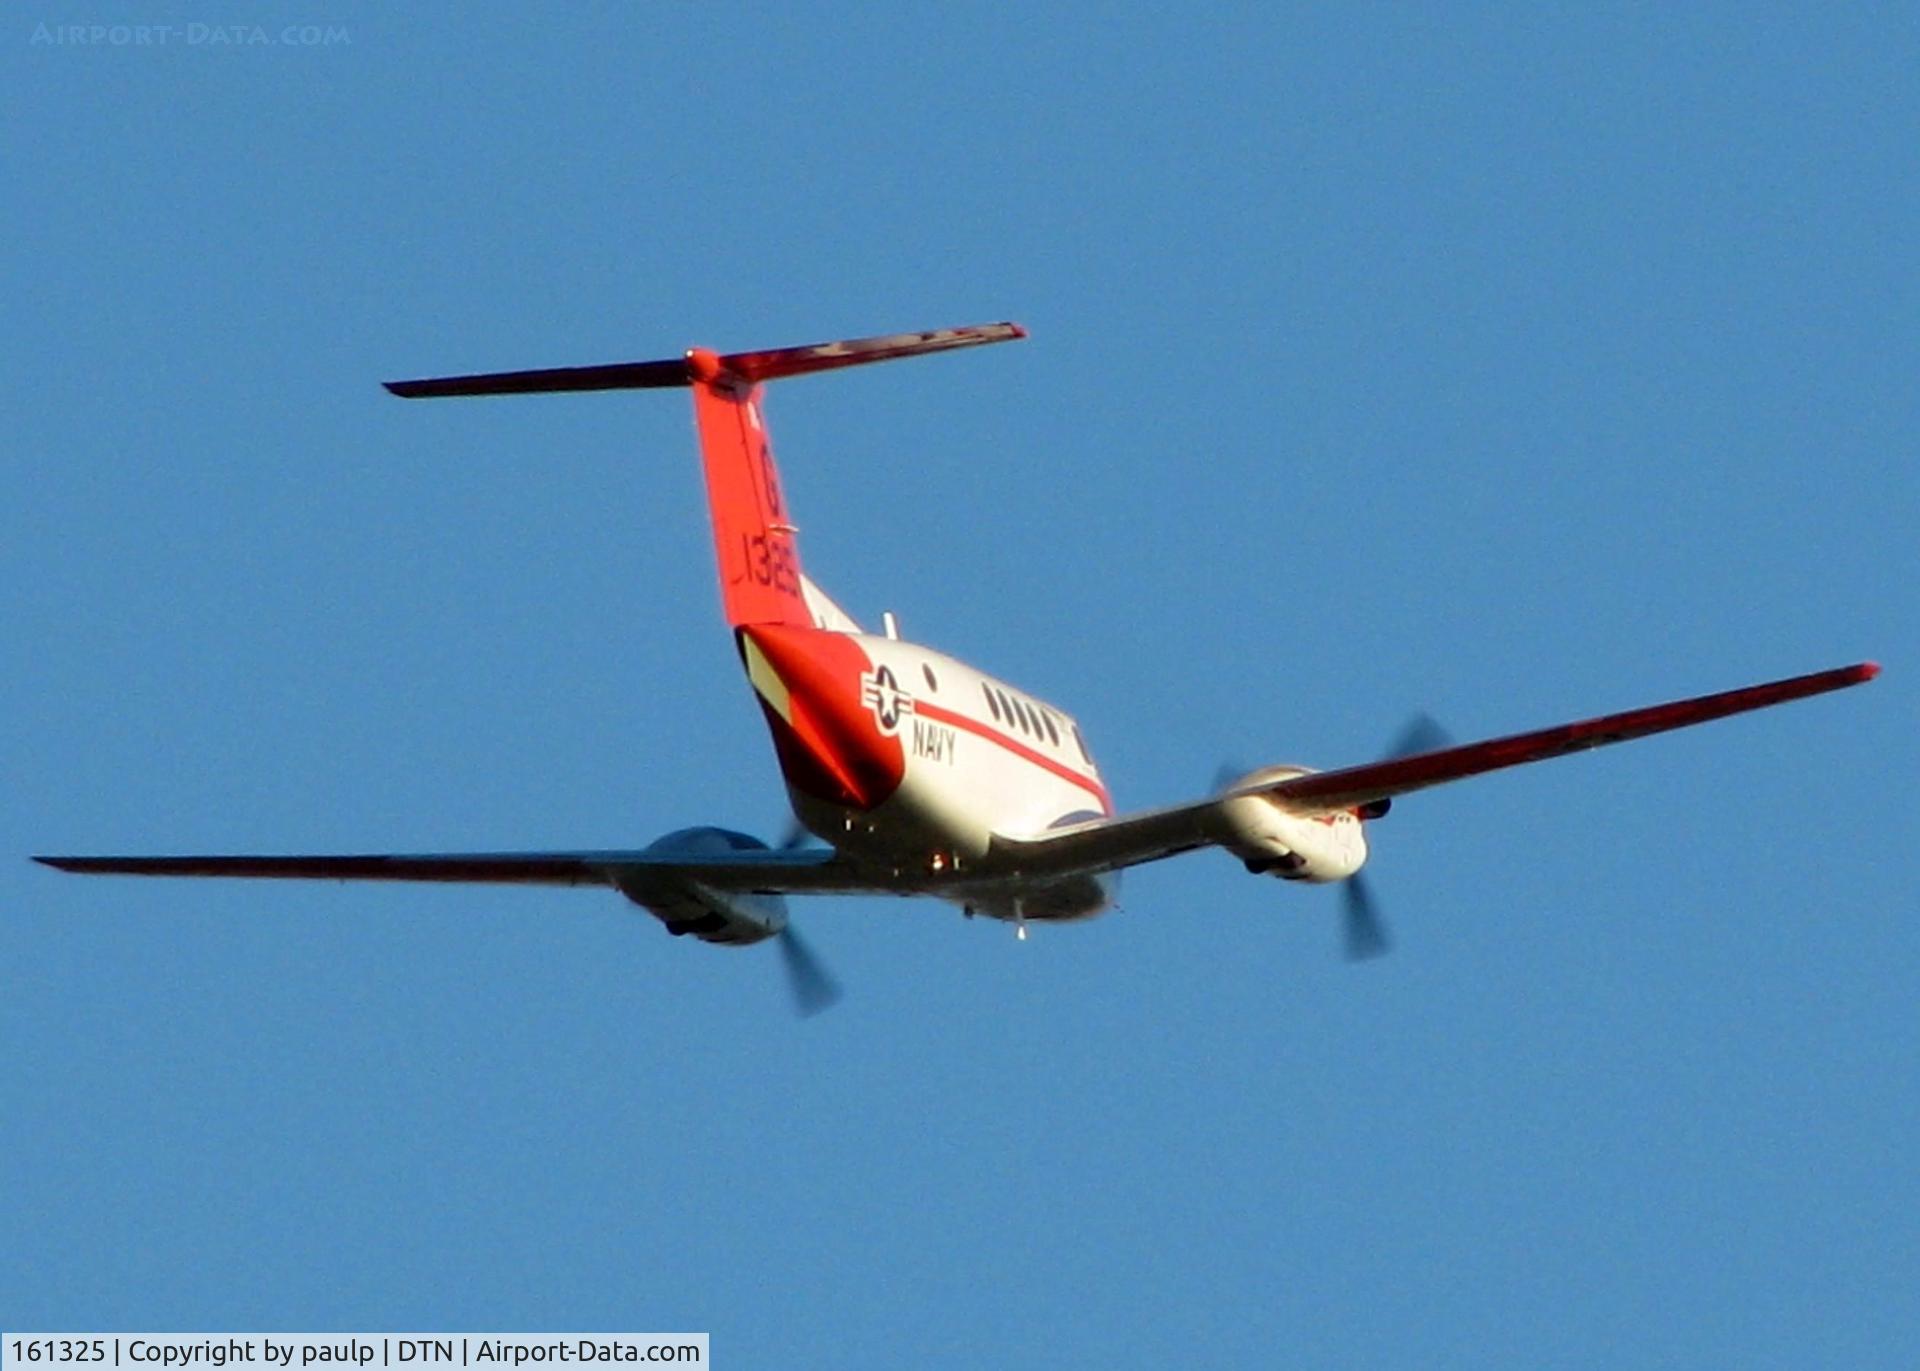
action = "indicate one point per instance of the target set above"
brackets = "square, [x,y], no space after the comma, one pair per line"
[813,987]
[1365,931]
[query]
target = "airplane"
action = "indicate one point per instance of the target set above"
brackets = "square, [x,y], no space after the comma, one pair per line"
[923,775]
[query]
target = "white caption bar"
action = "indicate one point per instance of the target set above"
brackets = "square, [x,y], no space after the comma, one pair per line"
[331,1351]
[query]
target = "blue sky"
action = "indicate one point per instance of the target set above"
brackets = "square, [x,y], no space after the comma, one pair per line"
[1515,365]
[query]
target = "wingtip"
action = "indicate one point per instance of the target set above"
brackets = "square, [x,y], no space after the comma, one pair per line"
[1867,670]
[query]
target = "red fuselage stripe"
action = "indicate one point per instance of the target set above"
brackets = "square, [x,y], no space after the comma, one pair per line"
[1018,749]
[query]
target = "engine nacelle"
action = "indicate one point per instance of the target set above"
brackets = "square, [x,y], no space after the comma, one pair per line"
[687,907]
[1274,842]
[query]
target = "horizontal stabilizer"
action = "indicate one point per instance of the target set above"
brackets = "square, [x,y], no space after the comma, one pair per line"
[768,366]
[614,376]
[751,367]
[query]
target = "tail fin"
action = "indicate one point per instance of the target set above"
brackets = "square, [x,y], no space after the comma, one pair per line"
[760,580]
[752,534]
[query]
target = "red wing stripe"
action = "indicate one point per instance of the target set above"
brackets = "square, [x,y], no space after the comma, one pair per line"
[1327,790]
[1019,749]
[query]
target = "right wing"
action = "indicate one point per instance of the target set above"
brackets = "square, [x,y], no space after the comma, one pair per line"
[1129,839]
[1326,792]
[752,870]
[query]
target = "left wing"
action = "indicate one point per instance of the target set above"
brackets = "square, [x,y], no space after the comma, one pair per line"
[756,871]
[1129,839]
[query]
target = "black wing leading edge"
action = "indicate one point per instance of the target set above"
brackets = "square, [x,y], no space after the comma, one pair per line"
[811,871]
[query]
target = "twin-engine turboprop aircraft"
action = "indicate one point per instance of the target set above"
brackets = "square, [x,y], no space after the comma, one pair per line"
[926,776]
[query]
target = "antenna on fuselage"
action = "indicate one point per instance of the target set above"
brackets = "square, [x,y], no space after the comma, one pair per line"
[889,625]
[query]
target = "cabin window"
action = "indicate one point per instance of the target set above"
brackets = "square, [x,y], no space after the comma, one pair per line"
[1080,743]
[1046,717]
[927,671]
[992,703]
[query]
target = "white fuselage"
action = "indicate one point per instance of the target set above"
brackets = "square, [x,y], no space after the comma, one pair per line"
[977,758]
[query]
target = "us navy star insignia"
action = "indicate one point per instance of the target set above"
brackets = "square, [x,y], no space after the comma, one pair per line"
[880,692]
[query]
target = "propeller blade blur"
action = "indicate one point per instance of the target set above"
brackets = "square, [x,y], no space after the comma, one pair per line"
[1422,733]
[1366,931]
[1364,927]
[814,989]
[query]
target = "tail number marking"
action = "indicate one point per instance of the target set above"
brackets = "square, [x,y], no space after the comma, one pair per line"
[769,562]
[769,483]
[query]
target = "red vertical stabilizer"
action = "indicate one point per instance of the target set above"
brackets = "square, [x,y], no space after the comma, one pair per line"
[753,536]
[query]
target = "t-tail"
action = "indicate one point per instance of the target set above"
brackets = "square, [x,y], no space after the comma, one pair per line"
[755,538]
